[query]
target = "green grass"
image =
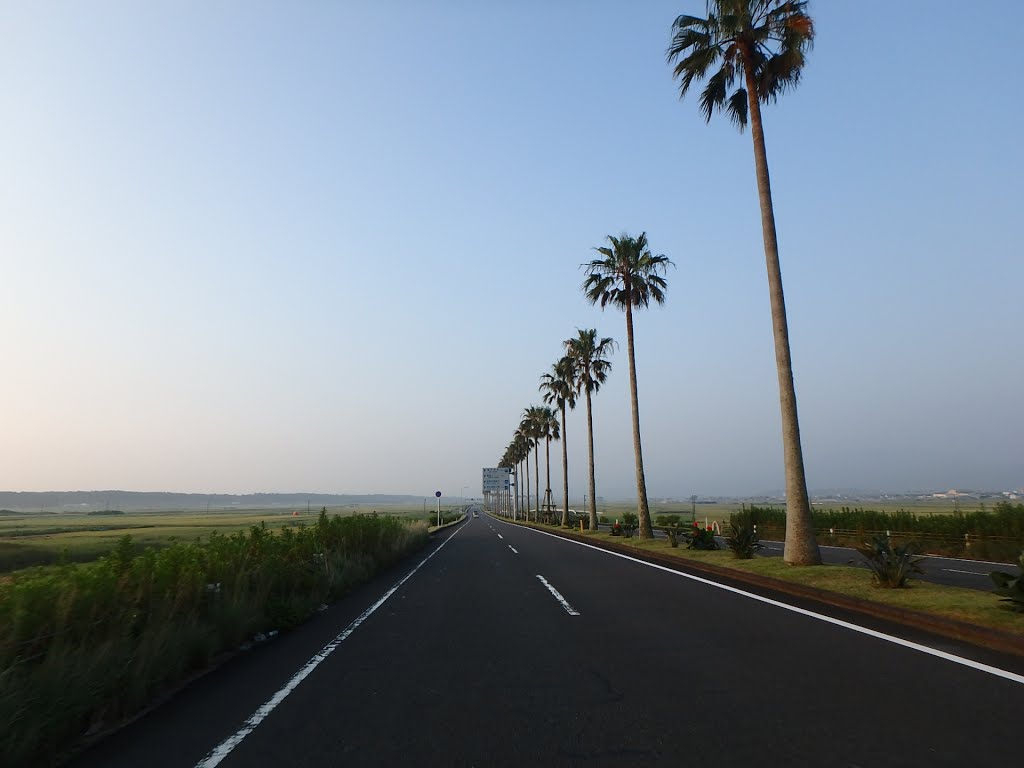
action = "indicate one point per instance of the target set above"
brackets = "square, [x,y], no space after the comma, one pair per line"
[982,609]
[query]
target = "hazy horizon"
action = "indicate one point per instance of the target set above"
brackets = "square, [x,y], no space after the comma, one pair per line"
[335,246]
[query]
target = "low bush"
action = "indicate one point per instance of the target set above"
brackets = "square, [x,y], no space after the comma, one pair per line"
[891,566]
[630,520]
[84,645]
[1010,587]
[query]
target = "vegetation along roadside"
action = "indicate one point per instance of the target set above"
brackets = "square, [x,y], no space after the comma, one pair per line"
[83,646]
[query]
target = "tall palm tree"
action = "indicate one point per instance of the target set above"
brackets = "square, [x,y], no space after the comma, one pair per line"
[532,426]
[592,368]
[548,424]
[520,451]
[628,275]
[760,47]
[559,387]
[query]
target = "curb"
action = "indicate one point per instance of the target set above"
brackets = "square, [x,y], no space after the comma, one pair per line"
[994,639]
[435,528]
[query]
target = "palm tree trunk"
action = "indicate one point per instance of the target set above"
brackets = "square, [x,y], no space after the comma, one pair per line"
[590,464]
[547,486]
[801,547]
[526,506]
[519,489]
[536,472]
[642,510]
[565,475]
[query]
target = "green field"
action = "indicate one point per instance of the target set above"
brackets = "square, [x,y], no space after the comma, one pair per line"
[43,539]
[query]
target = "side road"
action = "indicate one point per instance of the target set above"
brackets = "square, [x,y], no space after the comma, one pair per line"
[986,637]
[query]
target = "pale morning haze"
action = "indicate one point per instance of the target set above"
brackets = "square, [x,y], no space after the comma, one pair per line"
[332,246]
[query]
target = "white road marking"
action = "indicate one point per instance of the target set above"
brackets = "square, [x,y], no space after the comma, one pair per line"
[972,573]
[513,549]
[500,536]
[224,748]
[565,603]
[996,671]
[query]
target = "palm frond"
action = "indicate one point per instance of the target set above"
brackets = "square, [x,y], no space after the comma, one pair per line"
[737,108]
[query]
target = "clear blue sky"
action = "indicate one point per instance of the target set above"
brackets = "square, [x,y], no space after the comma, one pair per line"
[331,246]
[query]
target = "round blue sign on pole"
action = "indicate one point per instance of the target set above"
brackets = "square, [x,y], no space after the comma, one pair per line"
[438,494]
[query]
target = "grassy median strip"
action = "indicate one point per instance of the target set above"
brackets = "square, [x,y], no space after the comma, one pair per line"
[982,609]
[83,646]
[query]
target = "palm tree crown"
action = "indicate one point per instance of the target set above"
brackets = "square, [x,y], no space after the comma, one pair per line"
[628,275]
[558,388]
[591,358]
[761,43]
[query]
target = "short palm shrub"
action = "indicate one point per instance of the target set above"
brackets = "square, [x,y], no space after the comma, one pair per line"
[701,538]
[743,540]
[630,520]
[1010,587]
[673,527]
[891,567]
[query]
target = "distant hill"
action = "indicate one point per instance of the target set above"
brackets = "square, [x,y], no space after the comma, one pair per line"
[87,501]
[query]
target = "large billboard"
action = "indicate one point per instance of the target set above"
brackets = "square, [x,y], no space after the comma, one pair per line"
[496,479]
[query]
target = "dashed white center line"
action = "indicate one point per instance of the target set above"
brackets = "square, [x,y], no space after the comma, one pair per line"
[972,573]
[565,603]
[500,536]
[513,549]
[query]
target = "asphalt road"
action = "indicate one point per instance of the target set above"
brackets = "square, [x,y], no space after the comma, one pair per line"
[511,647]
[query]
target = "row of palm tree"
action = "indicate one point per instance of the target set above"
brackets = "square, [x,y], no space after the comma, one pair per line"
[747,52]
[627,276]
[582,369]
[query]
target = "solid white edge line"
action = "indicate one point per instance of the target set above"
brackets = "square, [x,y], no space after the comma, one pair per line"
[222,750]
[558,596]
[996,671]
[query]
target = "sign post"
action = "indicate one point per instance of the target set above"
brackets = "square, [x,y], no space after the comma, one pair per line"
[438,494]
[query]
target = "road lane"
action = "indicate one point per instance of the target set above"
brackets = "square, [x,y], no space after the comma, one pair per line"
[472,662]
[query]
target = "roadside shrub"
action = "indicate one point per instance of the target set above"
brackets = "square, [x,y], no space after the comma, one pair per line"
[84,645]
[891,566]
[701,538]
[630,520]
[673,526]
[743,540]
[1010,587]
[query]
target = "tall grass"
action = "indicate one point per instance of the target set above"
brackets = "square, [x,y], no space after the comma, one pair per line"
[84,645]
